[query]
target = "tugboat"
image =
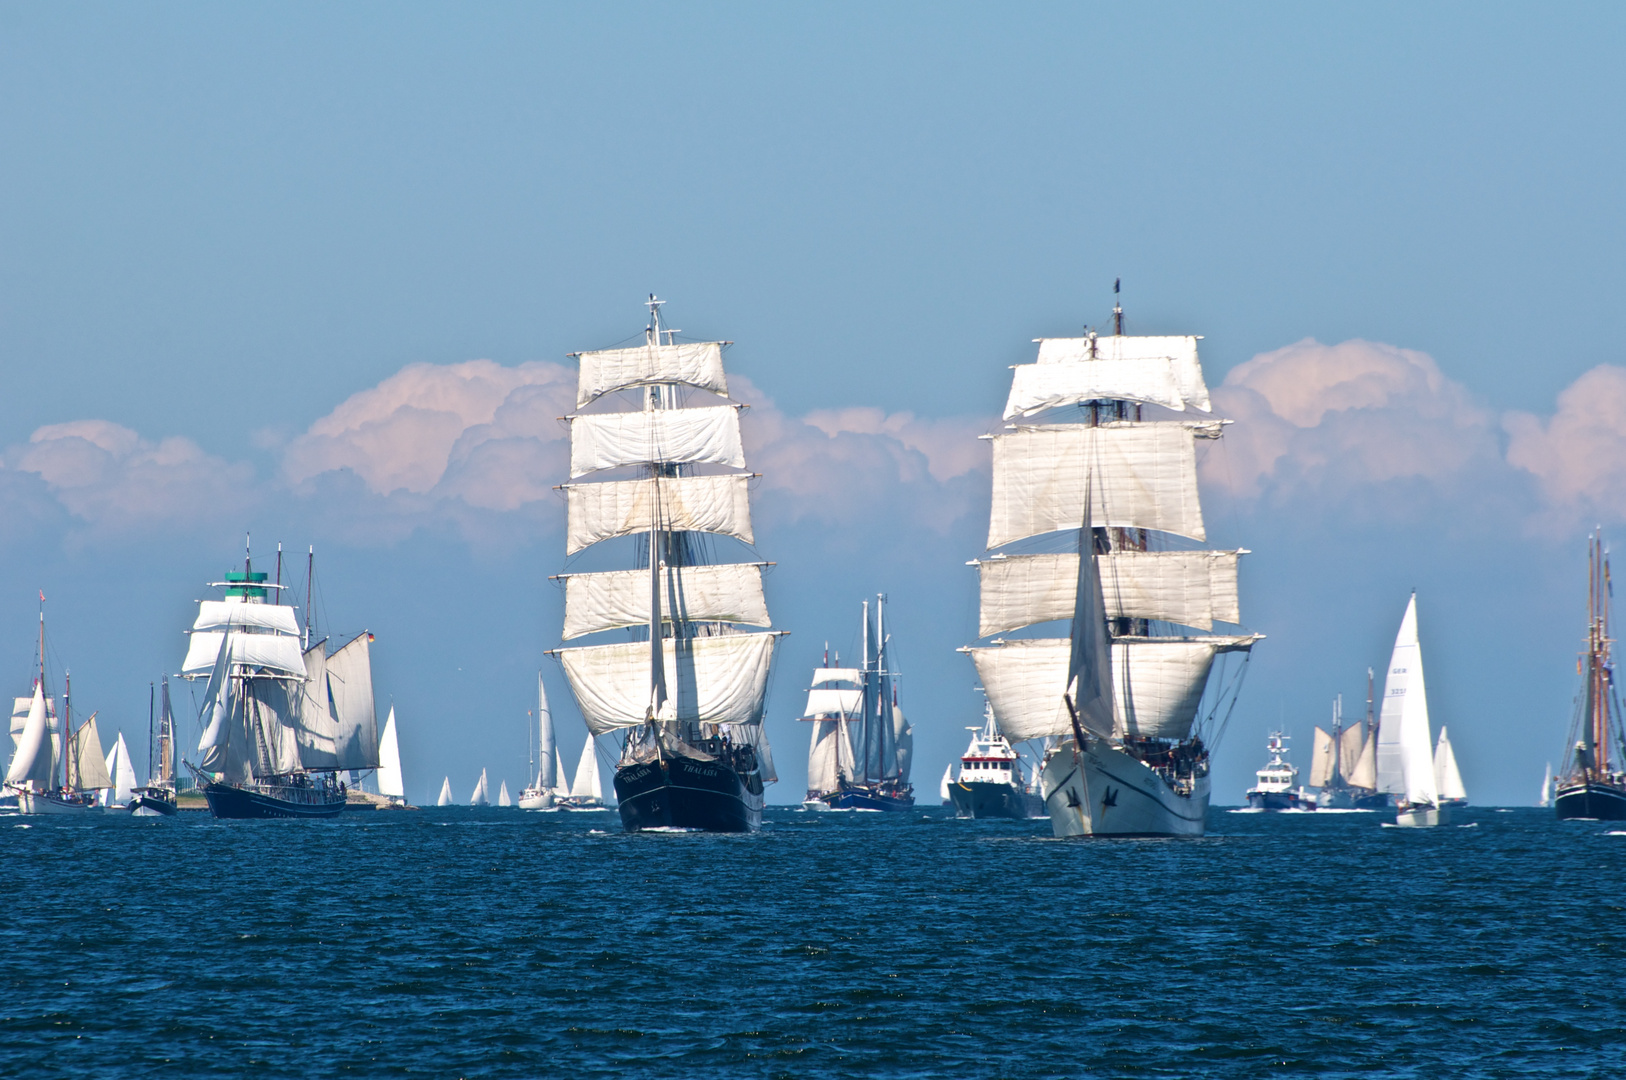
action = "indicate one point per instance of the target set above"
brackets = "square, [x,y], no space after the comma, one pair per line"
[1592,787]
[1275,790]
[992,783]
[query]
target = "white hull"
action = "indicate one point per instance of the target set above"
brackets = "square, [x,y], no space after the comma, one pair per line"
[815,804]
[1423,817]
[1106,792]
[528,801]
[34,802]
[142,811]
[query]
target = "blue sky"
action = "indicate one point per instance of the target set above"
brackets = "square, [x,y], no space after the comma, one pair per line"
[223,224]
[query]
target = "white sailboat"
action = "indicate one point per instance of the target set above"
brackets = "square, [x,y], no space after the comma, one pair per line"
[480,796]
[539,796]
[391,784]
[1405,751]
[1097,463]
[1546,799]
[502,795]
[122,793]
[1447,780]
[445,798]
[55,768]
[586,790]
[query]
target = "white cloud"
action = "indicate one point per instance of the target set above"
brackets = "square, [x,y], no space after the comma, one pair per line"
[1578,455]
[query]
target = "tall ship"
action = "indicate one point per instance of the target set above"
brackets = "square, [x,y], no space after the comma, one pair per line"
[681,679]
[1592,784]
[158,798]
[1343,765]
[55,767]
[1096,519]
[544,755]
[1405,749]
[1273,787]
[861,745]
[282,717]
[994,782]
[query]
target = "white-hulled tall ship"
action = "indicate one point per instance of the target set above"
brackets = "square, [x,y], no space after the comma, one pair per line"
[1405,749]
[861,748]
[993,781]
[1095,437]
[280,721]
[685,690]
[1273,787]
[1592,786]
[55,767]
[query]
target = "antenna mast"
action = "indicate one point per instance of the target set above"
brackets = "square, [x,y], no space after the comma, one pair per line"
[1117,309]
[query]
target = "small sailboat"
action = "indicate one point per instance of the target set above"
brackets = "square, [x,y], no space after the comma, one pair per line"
[480,797]
[122,794]
[1273,787]
[943,788]
[539,796]
[1405,751]
[391,784]
[502,795]
[1447,780]
[55,769]
[586,790]
[1343,767]
[1546,799]
[992,782]
[445,793]
[1592,786]
[158,799]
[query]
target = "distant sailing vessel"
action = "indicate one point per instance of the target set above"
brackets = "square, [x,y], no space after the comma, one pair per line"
[1097,461]
[1405,751]
[1447,780]
[503,798]
[55,768]
[1546,798]
[1273,787]
[539,796]
[586,790]
[1592,787]
[481,796]
[158,799]
[391,784]
[445,798]
[992,781]
[281,721]
[1344,765]
[861,748]
[122,794]
[657,434]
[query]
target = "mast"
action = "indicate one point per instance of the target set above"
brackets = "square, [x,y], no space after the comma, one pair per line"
[657,663]
[864,716]
[67,726]
[1371,724]
[310,574]
[152,713]
[1117,309]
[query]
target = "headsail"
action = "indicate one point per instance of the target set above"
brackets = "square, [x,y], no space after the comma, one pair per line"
[33,761]
[390,780]
[1405,756]
[546,749]
[445,798]
[1089,662]
[1446,777]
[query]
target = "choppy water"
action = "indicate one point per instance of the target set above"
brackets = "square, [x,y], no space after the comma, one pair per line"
[496,943]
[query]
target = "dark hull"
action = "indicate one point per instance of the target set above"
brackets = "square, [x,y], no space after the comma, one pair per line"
[226,801]
[1278,800]
[994,801]
[867,799]
[679,793]
[1592,802]
[150,801]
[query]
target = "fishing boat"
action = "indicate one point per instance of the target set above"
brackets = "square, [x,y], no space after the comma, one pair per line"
[391,783]
[55,768]
[1273,787]
[1405,750]
[1096,518]
[862,746]
[1343,766]
[655,452]
[158,798]
[445,798]
[480,797]
[283,718]
[587,789]
[544,755]
[993,782]
[1592,785]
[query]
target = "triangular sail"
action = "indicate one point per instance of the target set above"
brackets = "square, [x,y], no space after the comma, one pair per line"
[586,784]
[1089,663]
[502,795]
[546,749]
[87,762]
[560,787]
[480,798]
[1405,753]
[1351,745]
[445,798]
[943,788]
[1365,773]
[33,762]
[390,780]
[1446,777]
[1321,763]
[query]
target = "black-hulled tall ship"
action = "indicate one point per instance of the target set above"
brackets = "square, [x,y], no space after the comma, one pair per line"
[861,747]
[657,440]
[993,782]
[1593,785]
[55,768]
[283,719]
[158,798]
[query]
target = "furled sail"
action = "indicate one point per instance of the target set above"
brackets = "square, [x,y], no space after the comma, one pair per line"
[698,364]
[1446,777]
[33,760]
[726,592]
[715,504]
[717,680]
[1145,476]
[1151,370]
[1192,588]
[685,436]
[1321,763]
[277,653]
[1351,745]
[546,745]
[390,780]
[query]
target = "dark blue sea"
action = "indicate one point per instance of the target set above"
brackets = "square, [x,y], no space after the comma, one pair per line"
[497,943]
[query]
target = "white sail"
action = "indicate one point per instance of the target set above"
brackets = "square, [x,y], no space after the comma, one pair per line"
[1365,772]
[709,434]
[821,676]
[270,710]
[1145,477]
[1151,370]
[1447,779]
[546,746]
[1192,588]
[1546,787]
[122,770]
[698,364]
[87,762]
[1157,684]
[445,793]
[33,761]
[1405,753]
[220,614]
[350,687]
[1321,763]
[903,741]
[561,786]
[943,788]
[480,798]
[390,780]
[276,653]
[824,701]
[502,795]
[225,742]
[715,504]
[1351,745]
[726,592]
[586,784]
[824,756]
[316,730]
[716,680]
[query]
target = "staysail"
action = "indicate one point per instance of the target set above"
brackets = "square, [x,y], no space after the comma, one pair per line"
[1446,777]
[546,749]
[390,780]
